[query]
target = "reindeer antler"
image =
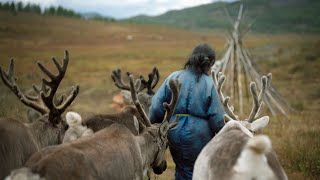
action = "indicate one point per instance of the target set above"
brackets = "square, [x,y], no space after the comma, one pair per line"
[44,102]
[136,100]
[169,108]
[117,79]
[9,80]
[218,81]
[53,84]
[152,81]
[257,99]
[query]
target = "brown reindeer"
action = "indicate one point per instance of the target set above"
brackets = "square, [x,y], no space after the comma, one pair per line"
[18,141]
[234,153]
[124,99]
[129,115]
[112,153]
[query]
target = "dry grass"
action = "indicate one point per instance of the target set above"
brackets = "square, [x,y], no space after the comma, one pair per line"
[96,48]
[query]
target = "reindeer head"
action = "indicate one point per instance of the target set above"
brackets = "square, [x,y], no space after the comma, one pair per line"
[253,123]
[144,97]
[45,102]
[157,131]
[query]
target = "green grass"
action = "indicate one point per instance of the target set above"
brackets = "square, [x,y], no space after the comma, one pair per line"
[96,48]
[269,16]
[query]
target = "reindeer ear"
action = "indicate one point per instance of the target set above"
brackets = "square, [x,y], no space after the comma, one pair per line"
[126,96]
[164,128]
[259,123]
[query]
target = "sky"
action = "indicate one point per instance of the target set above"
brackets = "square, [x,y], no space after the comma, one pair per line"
[120,9]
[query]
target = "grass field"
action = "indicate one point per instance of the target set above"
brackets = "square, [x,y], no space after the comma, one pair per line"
[96,48]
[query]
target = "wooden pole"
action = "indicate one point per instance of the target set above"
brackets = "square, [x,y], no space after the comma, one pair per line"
[239,81]
[238,67]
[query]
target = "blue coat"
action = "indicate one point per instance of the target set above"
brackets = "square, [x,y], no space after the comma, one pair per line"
[200,117]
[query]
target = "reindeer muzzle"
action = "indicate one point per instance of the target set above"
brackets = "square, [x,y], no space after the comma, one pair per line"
[161,168]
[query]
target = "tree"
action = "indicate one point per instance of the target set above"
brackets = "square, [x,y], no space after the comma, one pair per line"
[6,6]
[27,8]
[50,11]
[35,9]
[19,6]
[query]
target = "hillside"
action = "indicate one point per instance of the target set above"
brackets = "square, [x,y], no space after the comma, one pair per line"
[96,48]
[270,16]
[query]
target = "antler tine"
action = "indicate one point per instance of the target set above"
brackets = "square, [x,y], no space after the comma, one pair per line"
[268,84]
[153,79]
[9,80]
[170,108]
[269,79]
[54,82]
[157,77]
[227,108]
[37,90]
[63,106]
[144,84]
[257,100]
[45,89]
[253,89]
[218,80]
[117,79]
[137,85]
[136,100]
[264,82]
[214,77]
[219,89]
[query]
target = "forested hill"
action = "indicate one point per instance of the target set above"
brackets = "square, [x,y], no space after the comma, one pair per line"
[269,16]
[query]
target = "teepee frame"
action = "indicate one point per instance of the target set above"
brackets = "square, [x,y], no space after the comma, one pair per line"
[236,64]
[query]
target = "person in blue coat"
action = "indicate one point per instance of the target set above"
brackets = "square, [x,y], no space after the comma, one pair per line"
[199,110]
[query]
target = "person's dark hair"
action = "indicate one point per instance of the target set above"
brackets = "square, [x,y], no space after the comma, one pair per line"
[201,59]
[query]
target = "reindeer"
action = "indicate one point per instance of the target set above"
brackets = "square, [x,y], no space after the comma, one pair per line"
[18,141]
[111,153]
[144,97]
[129,115]
[234,153]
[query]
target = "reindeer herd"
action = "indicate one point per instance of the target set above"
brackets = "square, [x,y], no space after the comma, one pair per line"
[124,145]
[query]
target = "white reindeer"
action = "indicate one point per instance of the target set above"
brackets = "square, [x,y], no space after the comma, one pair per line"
[234,153]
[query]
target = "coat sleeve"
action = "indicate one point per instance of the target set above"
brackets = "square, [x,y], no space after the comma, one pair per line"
[216,112]
[156,110]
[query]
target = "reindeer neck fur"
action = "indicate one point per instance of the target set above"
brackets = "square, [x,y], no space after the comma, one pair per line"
[125,117]
[233,125]
[149,144]
[44,133]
